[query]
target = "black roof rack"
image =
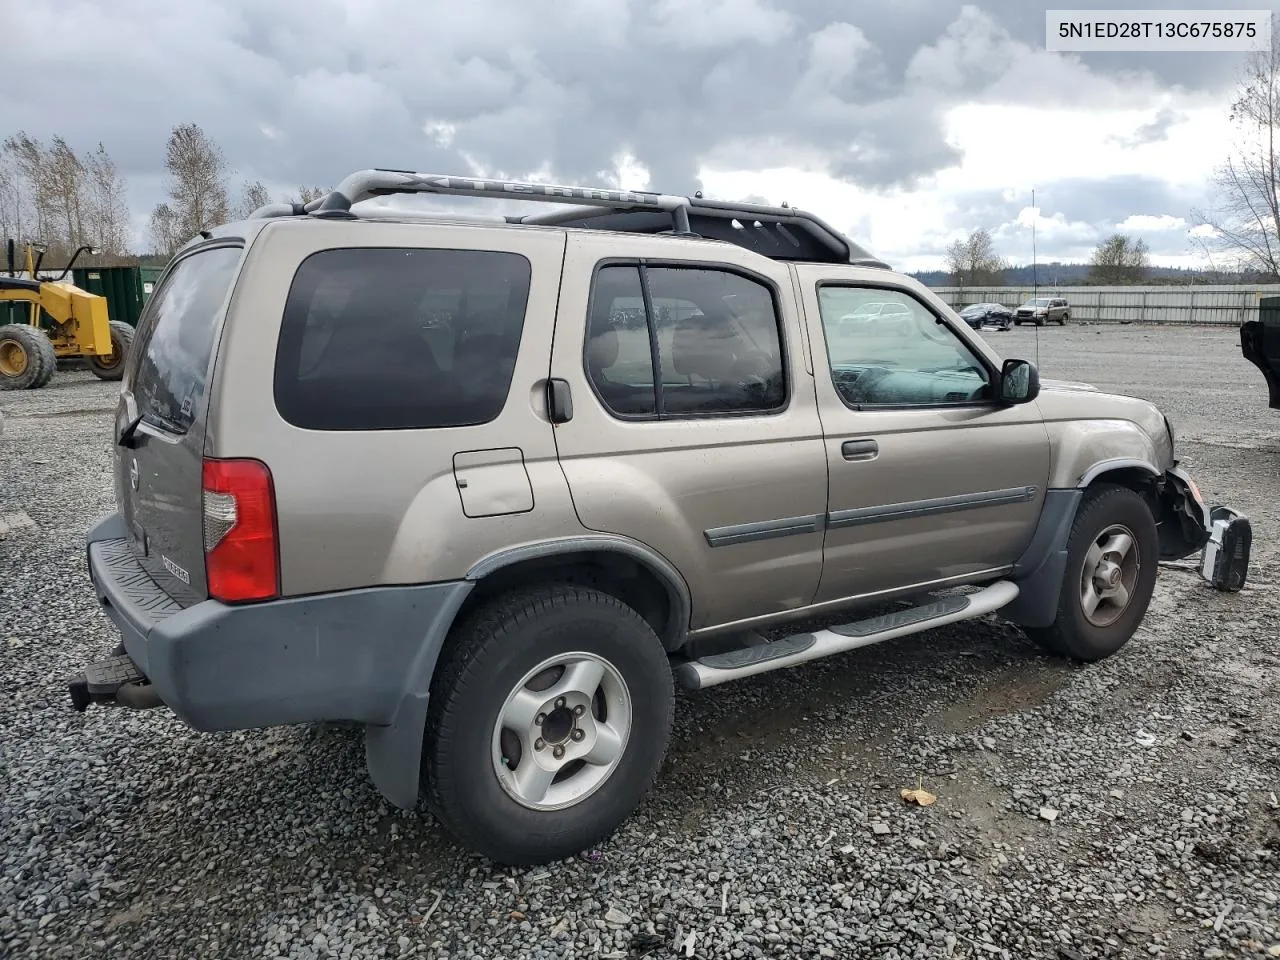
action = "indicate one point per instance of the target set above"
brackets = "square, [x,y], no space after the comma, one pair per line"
[781,233]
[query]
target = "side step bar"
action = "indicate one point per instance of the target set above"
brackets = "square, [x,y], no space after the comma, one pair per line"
[803,647]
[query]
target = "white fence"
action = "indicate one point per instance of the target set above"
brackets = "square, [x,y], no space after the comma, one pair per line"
[1225,304]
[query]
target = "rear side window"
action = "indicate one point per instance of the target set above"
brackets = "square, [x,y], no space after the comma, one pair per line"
[387,339]
[684,342]
[173,368]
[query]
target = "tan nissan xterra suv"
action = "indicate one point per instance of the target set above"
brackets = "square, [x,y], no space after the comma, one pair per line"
[488,487]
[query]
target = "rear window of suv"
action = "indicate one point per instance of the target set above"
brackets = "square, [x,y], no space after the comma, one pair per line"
[173,368]
[390,338]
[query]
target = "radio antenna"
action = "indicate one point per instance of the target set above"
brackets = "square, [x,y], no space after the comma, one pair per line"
[1035,285]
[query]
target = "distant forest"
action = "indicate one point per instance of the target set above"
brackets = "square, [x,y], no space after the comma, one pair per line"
[1077,275]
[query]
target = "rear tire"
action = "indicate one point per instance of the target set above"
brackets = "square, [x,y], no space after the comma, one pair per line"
[111,367]
[1108,516]
[27,361]
[604,742]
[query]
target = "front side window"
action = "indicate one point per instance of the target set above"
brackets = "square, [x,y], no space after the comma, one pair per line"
[683,341]
[390,338]
[904,355]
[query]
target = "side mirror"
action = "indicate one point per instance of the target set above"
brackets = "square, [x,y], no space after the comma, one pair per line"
[1019,381]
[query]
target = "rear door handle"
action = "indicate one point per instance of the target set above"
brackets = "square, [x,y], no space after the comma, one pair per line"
[860,449]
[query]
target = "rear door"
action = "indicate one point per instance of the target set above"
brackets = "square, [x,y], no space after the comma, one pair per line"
[164,400]
[695,429]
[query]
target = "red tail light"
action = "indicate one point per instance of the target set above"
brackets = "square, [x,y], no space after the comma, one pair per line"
[240,550]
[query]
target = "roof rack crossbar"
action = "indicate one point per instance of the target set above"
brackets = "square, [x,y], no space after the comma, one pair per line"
[367,184]
[607,208]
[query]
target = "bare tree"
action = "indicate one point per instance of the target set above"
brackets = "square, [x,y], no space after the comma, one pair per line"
[61,198]
[14,203]
[33,185]
[307,194]
[108,209]
[197,188]
[1119,260]
[166,231]
[1246,218]
[252,196]
[973,262]
[66,186]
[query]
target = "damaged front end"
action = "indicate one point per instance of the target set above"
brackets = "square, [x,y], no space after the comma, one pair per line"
[1187,526]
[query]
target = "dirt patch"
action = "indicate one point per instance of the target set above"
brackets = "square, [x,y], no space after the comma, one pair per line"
[1013,690]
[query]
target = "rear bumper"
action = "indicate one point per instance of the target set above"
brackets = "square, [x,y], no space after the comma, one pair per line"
[355,655]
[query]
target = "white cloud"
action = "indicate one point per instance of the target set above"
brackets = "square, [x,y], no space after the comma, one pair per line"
[694,24]
[440,132]
[1142,221]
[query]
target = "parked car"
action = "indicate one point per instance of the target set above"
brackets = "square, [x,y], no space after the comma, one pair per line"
[981,315]
[880,316]
[496,541]
[1041,310]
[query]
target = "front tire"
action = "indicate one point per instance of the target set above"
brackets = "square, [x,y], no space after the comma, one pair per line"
[1112,557]
[548,720]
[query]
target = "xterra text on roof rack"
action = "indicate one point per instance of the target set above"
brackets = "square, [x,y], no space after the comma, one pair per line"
[488,488]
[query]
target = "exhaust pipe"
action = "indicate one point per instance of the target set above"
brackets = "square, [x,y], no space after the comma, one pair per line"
[136,695]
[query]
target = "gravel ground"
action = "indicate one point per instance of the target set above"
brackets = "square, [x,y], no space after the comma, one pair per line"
[1124,809]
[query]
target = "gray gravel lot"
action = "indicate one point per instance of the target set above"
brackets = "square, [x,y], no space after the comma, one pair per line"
[776,828]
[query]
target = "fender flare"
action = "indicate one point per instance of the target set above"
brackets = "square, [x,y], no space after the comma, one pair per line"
[1040,570]
[393,751]
[677,589]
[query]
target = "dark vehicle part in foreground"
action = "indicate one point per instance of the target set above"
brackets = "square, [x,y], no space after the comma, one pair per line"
[1260,344]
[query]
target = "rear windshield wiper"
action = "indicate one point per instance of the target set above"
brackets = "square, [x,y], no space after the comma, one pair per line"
[125,437]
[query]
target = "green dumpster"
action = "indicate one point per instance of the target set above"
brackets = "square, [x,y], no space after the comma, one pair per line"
[14,312]
[149,277]
[122,287]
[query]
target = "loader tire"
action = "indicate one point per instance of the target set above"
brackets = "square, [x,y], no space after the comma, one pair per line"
[111,367]
[50,364]
[26,357]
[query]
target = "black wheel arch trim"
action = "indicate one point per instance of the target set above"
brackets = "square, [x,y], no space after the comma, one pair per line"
[668,575]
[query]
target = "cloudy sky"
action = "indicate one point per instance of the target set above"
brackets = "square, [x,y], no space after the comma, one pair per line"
[908,123]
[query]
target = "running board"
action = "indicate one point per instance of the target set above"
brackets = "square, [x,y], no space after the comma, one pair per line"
[803,647]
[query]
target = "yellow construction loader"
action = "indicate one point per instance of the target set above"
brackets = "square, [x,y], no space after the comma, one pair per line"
[62,322]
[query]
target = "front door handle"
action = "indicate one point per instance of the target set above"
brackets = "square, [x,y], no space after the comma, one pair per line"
[860,450]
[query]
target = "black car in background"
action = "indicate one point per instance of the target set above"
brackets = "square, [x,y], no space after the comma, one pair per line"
[981,315]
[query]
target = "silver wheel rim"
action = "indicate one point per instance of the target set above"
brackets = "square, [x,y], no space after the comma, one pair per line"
[1110,575]
[562,731]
